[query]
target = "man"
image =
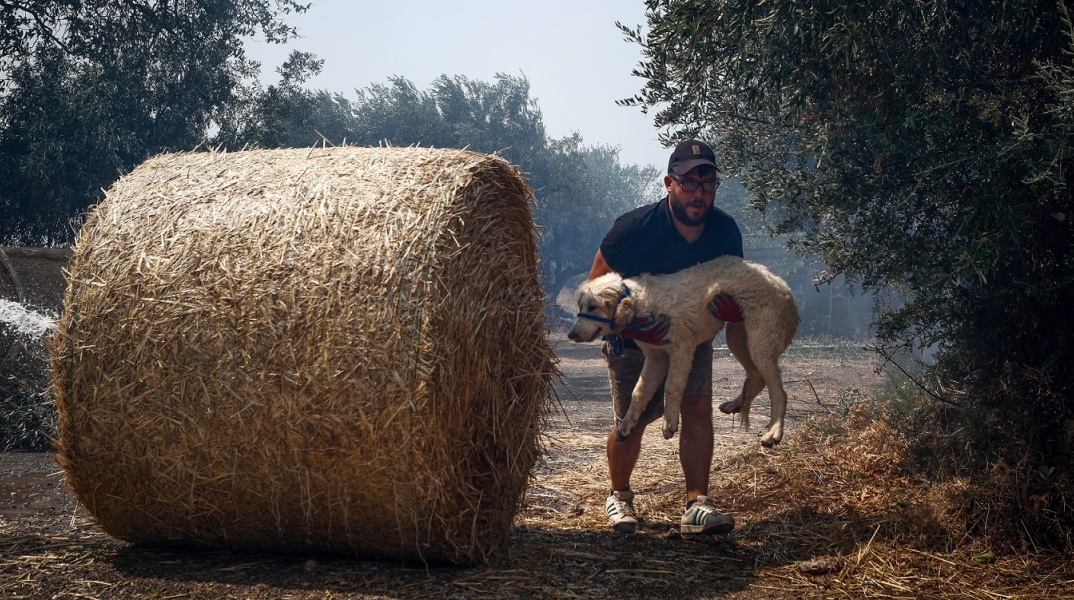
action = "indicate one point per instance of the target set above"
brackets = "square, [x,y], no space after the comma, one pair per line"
[679,231]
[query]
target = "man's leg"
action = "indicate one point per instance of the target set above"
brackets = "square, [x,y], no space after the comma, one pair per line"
[695,444]
[695,450]
[623,456]
[623,372]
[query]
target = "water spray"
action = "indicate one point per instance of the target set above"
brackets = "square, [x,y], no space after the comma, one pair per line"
[24,321]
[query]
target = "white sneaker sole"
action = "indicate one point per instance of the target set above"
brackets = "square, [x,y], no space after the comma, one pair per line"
[710,529]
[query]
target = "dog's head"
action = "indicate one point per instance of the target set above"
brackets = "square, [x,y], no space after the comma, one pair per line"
[604,307]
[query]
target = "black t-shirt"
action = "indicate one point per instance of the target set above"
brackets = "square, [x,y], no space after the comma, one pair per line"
[645,240]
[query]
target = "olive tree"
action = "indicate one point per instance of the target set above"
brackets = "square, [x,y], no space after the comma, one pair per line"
[89,89]
[923,147]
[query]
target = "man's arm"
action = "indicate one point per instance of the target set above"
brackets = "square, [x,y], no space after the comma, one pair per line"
[600,266]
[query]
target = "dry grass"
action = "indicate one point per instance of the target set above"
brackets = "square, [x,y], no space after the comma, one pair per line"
[829,514]
[834,513]
[306,350]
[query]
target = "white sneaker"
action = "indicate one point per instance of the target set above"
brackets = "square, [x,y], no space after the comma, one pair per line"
[620,509]
[702,517]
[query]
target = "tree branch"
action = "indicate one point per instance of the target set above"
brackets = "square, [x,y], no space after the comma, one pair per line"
[890,358]
[45,29]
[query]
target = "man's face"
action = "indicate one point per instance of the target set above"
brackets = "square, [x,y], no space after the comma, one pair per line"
[690,208]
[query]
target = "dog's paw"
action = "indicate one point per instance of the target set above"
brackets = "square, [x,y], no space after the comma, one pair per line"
[669,430]
[730,407]
[768,440]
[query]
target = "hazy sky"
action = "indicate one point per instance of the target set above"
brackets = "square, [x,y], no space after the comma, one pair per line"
[574,57]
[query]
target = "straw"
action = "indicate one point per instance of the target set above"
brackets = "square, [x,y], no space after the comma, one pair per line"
[334,349]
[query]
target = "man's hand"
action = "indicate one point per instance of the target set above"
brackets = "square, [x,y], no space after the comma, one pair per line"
[724,308]
[648,328]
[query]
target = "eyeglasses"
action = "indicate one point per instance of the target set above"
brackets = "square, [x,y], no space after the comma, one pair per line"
[691,185]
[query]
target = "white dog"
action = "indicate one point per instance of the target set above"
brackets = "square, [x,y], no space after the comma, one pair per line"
[609,304]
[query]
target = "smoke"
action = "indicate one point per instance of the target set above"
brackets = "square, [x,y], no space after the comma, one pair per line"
[23,320]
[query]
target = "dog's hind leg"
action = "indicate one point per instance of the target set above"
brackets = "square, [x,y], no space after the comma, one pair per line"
[675,387]
[778,396]
[741,405]
[652,373]
[738,341]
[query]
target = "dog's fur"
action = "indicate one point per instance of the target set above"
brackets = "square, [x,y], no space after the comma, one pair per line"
[771,320]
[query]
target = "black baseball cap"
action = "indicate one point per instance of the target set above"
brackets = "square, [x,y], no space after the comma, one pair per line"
[691,154]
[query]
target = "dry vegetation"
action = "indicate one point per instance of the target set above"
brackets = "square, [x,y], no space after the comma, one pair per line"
[833,512]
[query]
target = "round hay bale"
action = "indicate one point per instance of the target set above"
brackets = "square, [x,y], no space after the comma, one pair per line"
[331,350]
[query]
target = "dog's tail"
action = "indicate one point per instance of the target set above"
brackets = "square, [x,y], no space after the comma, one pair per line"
[789,319]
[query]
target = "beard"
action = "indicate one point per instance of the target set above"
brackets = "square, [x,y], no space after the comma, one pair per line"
[678,209]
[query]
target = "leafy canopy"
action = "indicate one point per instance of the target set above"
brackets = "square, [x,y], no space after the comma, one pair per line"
[90,88]
[923,147]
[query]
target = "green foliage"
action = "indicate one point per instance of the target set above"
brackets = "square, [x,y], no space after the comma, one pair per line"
[580,192]
[285,115]
[919,147]
[89,89]
[1004,490]
[456,112]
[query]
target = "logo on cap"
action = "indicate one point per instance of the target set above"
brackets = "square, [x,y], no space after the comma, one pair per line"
[697,150]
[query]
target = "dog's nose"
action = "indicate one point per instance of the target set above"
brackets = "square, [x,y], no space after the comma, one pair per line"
[572,335]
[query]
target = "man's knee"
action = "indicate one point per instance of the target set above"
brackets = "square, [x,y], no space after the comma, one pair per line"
[696,408]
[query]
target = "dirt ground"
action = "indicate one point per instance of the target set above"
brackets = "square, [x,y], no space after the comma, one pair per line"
[560,545]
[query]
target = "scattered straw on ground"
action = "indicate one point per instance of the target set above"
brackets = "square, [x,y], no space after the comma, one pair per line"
[828,514]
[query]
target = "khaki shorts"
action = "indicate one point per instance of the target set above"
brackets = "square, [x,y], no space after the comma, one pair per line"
[624,370]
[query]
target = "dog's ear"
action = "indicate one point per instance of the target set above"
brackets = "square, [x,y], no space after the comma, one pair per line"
[608,297]
[624,313]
